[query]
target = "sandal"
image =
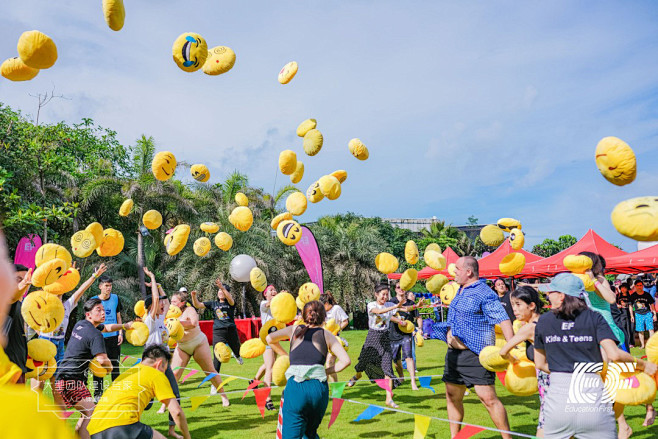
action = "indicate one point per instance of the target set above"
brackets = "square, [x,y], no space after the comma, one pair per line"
[392,405]
[269,405]
[352,381]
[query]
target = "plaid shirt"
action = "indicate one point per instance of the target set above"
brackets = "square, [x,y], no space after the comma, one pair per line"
[472,315]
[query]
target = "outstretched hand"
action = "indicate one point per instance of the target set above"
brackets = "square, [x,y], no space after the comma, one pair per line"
[148,273]
[99,270]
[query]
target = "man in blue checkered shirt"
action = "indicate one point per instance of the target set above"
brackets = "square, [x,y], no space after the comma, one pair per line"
[472,315]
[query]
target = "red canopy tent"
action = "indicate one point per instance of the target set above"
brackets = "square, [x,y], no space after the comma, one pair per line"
[552,265]
[641,261]
[427,272]
[489,264]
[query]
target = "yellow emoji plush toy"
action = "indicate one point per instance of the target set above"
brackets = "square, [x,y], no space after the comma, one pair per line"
[637,218]
[241,199]
[407,326]
[280,217]
[313,141]
[202,246]
[96,229]
[330,187]
[507,224]
[408,279]
[289,232]
[331,326]
[220,60]
[241,218]
[435,283]
[268,328]
[37,50]
[176,240]
[433,246]
[492,235]
[516,239]
[97,369]
[411,253]
[386,263]
[641,391]
[258,279]
[163,165]
[15,70]
[577,263]
[309,292]
[174,328]
[451,269]
[297,176]
[67,282]
[306,126]
[152,219]
[296,203]
[252,348]
[52,251]
[222,352]
[287,161]
[190,51]
[112,243]
[299,303]
[521,378]
[126,207]
[341,175]
[209,227]
[173,312]
[435,260]
[512,264]
[115,14]
[83,243]
[224,241]
[448,292]
[314,194]
[283,307]
[41,359]
[139,308]
[137,334]
[42,311]
[358,149]
[616,161]
[200,173]
[491,360]
[279,370]
[288,72]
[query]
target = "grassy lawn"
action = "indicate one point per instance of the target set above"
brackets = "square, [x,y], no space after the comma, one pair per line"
[211,420]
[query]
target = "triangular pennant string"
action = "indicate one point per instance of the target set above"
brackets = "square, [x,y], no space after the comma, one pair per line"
[383,383]
[261,398]
[124,358]
[226,381]
[336,405]
[468,431]
[255,383]
[197,401]
[425,383]
[136,362]
[501,377]
[370,412]
[65,415]
[336,390]
[422,423]
[209,377]
[188,375]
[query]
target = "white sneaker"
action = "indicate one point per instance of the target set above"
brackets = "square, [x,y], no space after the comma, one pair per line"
[213,389]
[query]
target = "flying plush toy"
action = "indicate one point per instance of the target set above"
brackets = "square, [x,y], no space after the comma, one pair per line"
[280,217]
[433,246]
[222,352]
[616,161]
[49,272]
[407,326]
[309,292]
[577,263]
[287,161]
[411,253]
[637,218]
[358,149]
[386,263]
[507,224]
[448,292]
[314,194]
[408,279]
[42,311]
[269,327]
[202,246]
[306,126]
[37,50]
[200,173]
[283,307]
[330,187]
[512,264]
[126,207]
[313,141]
[491,360]
[174,328]
[190,51]
[521,378]
[152,219]
[492,235]
[516,239]
[220,60]
[435,260]
[279,369]
[452,269]
[52,251]
[340,174]
[176,240]
[83,243]
[112,243]
[640,392]
[252,348]
[67,282]
[139,308]
[435,283]
[209,227]
[288,72]
[163,165]
[15,70]
[241,218]
[289,232]
[115,14]
[173,312]
[241,199]
[298,174]
[224,241]
[651,348]
[296,203]
[258,279]
[96,229]
[41,359]
[137,334]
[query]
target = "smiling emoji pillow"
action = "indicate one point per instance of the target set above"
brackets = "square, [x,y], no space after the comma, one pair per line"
[209,227]
[411,253]
[258,279]
[126,207]
[96,229]
[280,217]
[637,218]
[435,260]
[241,218]
[386,263]
[115,14]
[358,149]
[435,283]
[288,72]
[83,243]
[222,352]
[112,243]
[507,224]
[163,165]
[67,282]
[408,279]
[616,161]
[42,311]
[224,241]
[296,203]
[37,50]
[202,246]
[190,51]
[330,187]
[289,232]
[283,307]
[306,126]
[200,173]
[516,239]
[241,199]
[51,251]
[177,239]
[512,264]
[298,174]
[287,162]
[313,141]
[220,60]
[309,292]
[448,292]
[49,272]
[15,70]
[314,194]
[492,235]
[152,219]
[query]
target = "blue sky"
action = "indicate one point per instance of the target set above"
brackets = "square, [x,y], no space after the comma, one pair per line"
[490,109]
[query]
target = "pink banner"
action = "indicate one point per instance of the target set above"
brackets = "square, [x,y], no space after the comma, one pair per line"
[310,255]
[26,250]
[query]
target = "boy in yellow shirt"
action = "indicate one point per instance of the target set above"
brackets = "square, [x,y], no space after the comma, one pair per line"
[117,414]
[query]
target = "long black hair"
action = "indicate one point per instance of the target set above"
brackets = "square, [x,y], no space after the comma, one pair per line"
[529,295]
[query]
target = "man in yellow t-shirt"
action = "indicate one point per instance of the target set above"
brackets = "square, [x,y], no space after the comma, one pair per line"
[117,414]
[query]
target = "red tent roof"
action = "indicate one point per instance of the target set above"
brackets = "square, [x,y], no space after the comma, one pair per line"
[489,264]
[427,272]
[552,265]
[641,261]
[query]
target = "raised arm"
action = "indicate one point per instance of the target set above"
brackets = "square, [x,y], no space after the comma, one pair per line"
[155,294]
[229,297]
[88,283]
[195,301]
[385,310]
[602,287]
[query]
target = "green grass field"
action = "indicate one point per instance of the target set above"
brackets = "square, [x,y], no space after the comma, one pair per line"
[211,420]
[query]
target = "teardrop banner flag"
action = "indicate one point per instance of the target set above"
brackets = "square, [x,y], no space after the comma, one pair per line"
[26,250]
[310,255]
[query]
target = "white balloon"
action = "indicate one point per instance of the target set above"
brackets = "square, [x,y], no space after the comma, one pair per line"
[240,267]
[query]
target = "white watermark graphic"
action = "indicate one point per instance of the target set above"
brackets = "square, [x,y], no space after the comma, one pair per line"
[585,387]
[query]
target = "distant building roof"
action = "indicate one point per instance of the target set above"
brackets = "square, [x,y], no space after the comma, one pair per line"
[418,224]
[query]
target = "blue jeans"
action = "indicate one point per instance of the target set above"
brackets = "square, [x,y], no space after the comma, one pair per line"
[59,343]
[303,408]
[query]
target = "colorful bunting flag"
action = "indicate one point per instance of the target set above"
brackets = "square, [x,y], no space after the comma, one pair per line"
[501,377]
[336,405]
[336,389]
[468,431]
[208,377]
[383,383]
[370,412]
[136,362]
[226,381]
[197,401]
[425,383]
[176,368]
[124,358]
[255,383]
[261,397]
[65,415]
[188,375]
[422,423]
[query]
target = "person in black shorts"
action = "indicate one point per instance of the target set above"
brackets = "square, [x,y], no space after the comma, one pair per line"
[402,342]
[85,344]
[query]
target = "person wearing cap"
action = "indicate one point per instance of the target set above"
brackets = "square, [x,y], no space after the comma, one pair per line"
[569,341]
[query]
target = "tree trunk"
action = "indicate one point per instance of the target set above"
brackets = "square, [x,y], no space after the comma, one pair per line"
[140,264]
[45,231]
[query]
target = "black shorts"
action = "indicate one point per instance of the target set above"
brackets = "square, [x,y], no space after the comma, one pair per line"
[130,431]
[463,367]
[402,348]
